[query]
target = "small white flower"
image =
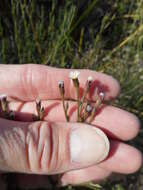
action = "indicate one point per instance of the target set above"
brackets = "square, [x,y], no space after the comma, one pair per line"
[88,108]
[3,96]
[38,101]
[74,74]
[61,83]
[102,95]
[90,79]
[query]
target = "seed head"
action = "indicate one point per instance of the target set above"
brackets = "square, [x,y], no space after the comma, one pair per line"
[90,79]
[102,95]
[61,84]
[3,96]
[61,87]
[74,75]
[38,100]
[89,108]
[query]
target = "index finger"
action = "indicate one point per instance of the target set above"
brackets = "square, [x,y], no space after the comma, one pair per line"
[27,82]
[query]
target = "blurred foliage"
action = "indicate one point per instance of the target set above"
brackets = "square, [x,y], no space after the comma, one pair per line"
[106,36]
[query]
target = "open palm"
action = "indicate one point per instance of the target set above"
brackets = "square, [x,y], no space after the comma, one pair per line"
[23,147]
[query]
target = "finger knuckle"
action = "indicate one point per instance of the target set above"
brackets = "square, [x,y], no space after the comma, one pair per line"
[42,148]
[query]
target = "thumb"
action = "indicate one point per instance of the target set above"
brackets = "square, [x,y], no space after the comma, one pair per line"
[50,148]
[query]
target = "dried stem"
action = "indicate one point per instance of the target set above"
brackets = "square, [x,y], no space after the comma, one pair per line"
[87,111]
[92,115]
[78,103]
[87,87]
[40,109]
[86,90]
[62,92]
[97,105]
[65,109]
[5,108]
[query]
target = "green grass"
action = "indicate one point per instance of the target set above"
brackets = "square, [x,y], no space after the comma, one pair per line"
[106,36]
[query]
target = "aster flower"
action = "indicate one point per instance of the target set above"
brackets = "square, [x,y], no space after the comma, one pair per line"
[90,79]
[74,75]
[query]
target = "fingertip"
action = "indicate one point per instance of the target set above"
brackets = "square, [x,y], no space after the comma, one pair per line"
[115,86]
[136,124]
[75,177]
[133,124]
[123,158]
[135,163]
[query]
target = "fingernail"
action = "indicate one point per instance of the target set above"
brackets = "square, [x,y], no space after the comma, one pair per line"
[88,145]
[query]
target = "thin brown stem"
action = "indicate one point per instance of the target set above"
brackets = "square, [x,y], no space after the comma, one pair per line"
[65,109]
[40,110]
[97,104]
[92,115]
[87,111]
[78,103]
[83,98]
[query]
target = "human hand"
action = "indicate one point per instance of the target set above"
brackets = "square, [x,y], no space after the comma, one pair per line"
[43,147]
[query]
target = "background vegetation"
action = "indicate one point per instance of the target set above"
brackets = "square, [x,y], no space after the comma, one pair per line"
[106,36]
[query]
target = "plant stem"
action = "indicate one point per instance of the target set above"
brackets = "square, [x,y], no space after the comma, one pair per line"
[65,109]
[78,104]
[83,98]
[97,104]
[92,115]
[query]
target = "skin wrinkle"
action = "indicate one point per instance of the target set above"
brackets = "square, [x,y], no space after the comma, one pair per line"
[38,144]
[44,144]
[24,82]
[40,148]
[54,153]
[27,155]
[11,140]
[19,142]
[51,145]
[2,153]
[27,143]
[32,141]
[61,150]
[27,78]
[8,142]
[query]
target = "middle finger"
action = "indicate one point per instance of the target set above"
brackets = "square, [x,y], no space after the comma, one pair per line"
[115,122]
